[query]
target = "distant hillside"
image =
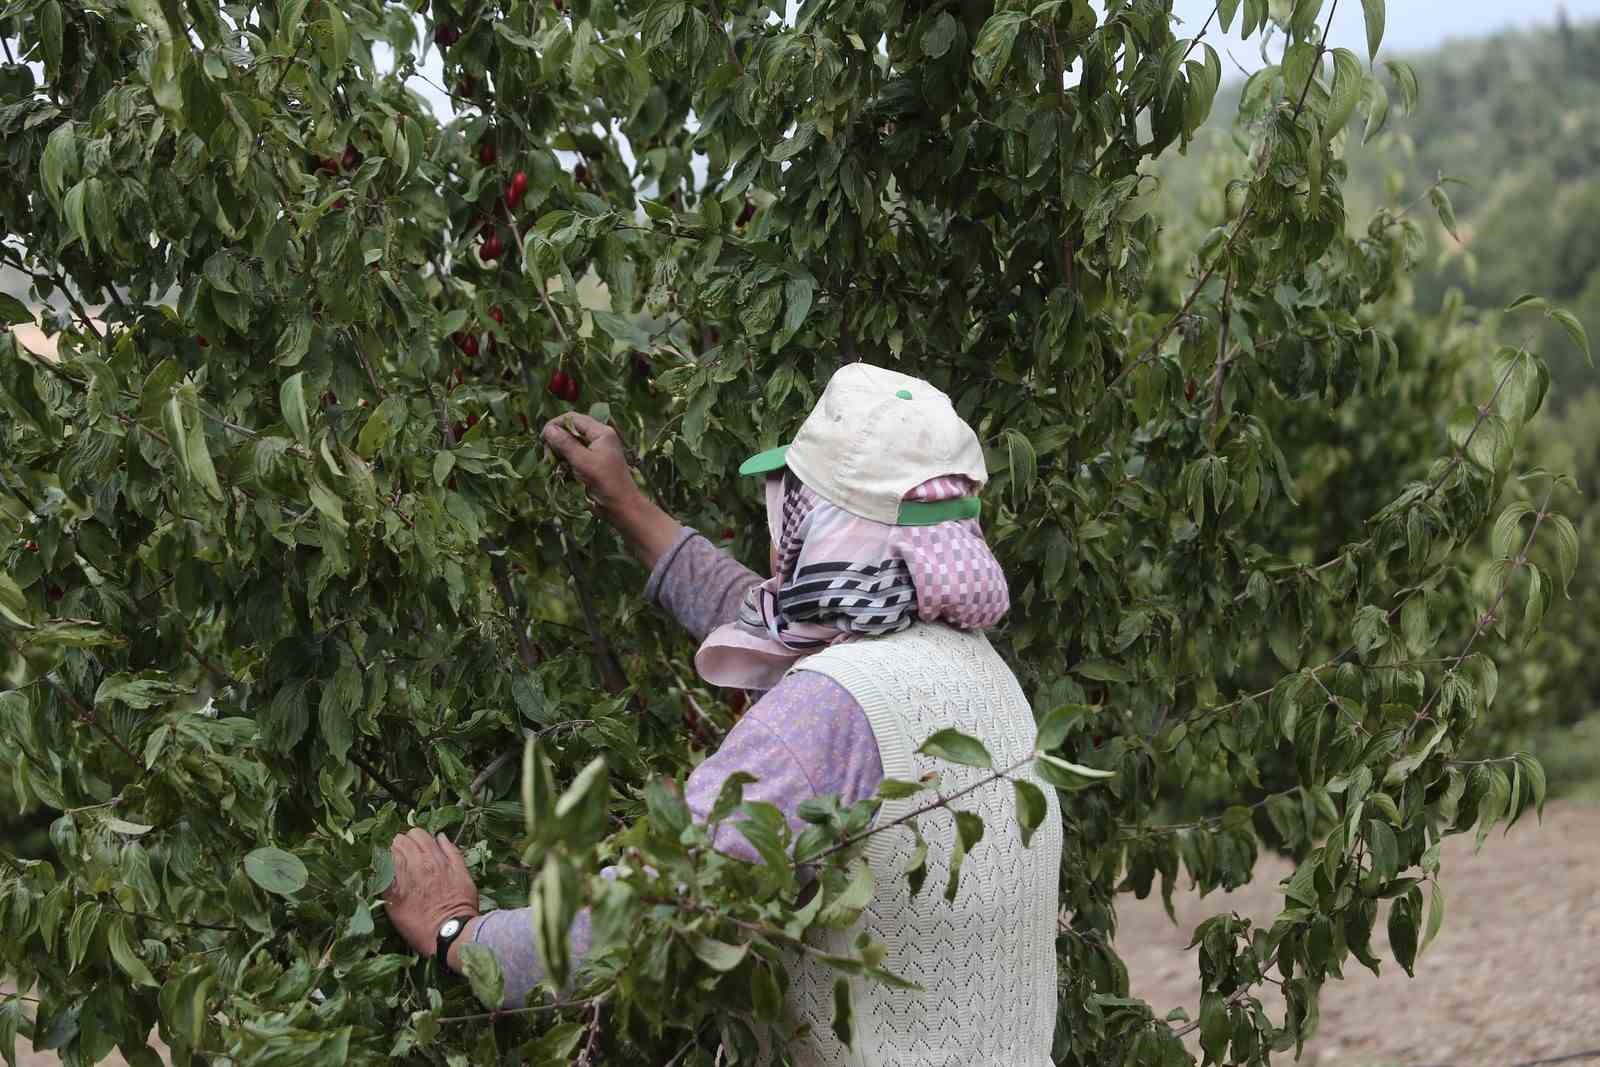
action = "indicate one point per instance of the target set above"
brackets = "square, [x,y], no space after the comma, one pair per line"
[1517,118]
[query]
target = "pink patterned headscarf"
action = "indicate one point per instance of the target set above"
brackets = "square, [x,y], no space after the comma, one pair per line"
[841,577]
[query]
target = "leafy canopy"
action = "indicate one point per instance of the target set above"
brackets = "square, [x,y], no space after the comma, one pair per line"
[286,568]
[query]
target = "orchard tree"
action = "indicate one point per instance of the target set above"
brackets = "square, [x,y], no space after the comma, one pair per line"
[287,570]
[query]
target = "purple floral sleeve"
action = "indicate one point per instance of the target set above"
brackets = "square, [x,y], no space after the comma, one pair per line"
[508,933]
[807,737]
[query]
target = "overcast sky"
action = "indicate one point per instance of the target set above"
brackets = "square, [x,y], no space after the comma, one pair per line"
[1409,25]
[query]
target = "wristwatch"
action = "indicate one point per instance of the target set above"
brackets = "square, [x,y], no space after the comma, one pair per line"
[449,930]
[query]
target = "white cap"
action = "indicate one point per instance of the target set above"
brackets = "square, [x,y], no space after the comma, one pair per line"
[875,435]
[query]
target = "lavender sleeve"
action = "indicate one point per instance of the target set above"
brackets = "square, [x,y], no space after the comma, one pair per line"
[807,737]
[699,584]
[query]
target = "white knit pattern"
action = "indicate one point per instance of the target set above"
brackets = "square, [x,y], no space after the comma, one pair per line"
[986,961]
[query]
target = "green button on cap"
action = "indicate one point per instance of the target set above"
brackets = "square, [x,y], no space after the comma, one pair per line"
[904,394]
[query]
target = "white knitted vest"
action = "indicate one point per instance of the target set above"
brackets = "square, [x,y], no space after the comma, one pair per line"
[986,961]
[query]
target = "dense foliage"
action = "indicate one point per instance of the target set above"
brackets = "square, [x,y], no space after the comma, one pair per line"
[1511,123]
[285,568]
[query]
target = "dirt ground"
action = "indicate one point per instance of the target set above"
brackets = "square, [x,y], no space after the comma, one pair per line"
[1513,977]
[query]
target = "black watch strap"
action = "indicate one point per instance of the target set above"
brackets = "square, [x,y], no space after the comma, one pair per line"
[449,930]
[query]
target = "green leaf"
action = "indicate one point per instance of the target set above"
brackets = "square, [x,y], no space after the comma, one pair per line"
[1494,802]
[1214,1029]
[797,296]
[275,870]
[1575,330]
[292,401]
[621,328]
[146,689]
[1102,671]
[198,456]
[13,311]
[124,956]
[766,998]
[968,832]
[957,747]
[81,930]
[336,715]
[1031,808]
[1373,12]
[481,968]
[326,502]
[719,955]
[846,908]
[1377,98]
[443,463]
[1447,213]
[10,1023]
[991,52]
[1065,775]
[13,603]
[1435,916]
[1057,723]
[582,807]
[938,37]
[1406,79]
[1348,83]
[804,134]
[294,341]
[1566,535]
[916,870]
[74,208]
[1403,934]
[895,789]
[843,1025]
[59,161]
[1533,771]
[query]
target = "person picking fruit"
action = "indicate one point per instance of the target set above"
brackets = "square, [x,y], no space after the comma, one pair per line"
[865,638]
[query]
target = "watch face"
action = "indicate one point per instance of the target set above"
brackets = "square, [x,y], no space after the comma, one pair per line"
[451,928]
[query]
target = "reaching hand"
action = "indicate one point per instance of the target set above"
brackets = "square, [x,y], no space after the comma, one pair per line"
[594,452]
[431,884]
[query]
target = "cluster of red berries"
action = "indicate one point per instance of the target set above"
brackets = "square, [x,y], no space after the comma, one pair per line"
[564,386]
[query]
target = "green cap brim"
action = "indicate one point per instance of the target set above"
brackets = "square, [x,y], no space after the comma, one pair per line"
[765,462]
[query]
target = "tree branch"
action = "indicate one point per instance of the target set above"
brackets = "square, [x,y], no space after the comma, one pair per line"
[1160,339]
[605,660]
[394,791]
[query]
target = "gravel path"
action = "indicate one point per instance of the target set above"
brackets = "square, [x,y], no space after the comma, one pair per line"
[1514,975]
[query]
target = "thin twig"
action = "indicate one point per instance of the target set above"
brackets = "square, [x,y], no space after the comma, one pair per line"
[549,309]
[591,1043]
[501,760]
[1219,376]
[294,57]
[1239,227]
[1487,619]
[942,801]
[722,28]
[705,727]
[501,576]
[389,787]
[555,1005]
[88,717]
[611,674]
[163,920]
